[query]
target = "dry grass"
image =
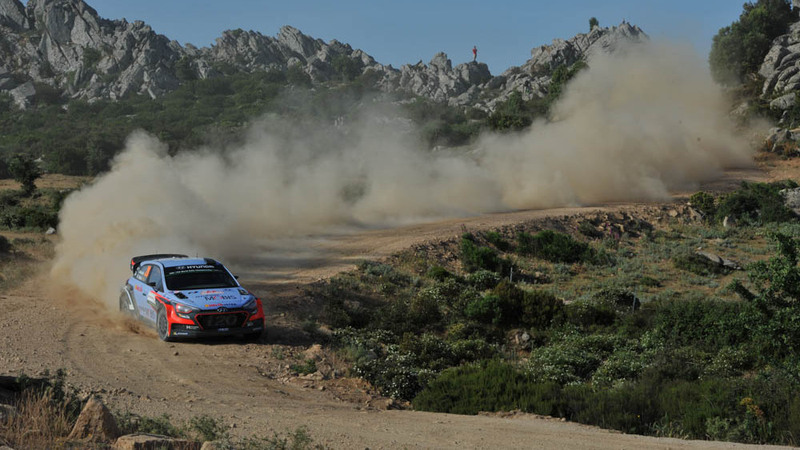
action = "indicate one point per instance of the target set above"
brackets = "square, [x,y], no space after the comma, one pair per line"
[51,180]
[29,252]
[40,422]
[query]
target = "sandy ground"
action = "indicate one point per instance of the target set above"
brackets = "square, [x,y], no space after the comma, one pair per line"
[248,385]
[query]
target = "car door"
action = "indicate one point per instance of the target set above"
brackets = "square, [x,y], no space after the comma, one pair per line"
[142,290]
[155,284]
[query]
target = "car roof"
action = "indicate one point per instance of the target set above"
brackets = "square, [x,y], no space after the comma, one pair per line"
[173,262]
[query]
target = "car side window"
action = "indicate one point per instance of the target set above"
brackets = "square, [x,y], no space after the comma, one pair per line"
[142,272]
[155,277]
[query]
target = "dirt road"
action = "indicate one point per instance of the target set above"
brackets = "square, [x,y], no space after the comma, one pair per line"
[248,385]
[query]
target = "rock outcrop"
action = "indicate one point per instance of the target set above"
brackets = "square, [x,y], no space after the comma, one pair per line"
[95,423]
[64,44]
[781,69]
[532,79]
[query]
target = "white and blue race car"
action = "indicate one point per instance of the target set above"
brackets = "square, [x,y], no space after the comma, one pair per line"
[184,297]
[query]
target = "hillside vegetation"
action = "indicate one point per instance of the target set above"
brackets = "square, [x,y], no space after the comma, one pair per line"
[79,138]
[611,320]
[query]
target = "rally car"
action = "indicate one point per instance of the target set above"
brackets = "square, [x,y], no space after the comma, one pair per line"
[184,297]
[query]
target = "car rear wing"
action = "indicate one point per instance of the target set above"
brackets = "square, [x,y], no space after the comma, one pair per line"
[136,260]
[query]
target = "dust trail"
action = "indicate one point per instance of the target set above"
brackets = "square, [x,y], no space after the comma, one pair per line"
[633,127]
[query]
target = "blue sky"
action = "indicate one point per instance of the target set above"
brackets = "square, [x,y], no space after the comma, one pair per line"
[400,32]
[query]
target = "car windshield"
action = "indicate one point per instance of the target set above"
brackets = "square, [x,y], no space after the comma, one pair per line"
[183,278]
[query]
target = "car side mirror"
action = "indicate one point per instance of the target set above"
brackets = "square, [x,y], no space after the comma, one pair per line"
[236,276]
[153,284]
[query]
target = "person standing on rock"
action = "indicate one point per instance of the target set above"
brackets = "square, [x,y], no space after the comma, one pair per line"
[474,53]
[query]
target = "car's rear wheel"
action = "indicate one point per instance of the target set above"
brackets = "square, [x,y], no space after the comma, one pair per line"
[162,326]
[124,305]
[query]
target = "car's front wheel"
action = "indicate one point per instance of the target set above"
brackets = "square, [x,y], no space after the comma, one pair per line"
[162,326]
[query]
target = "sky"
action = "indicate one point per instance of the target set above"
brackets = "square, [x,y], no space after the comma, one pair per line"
[405,32]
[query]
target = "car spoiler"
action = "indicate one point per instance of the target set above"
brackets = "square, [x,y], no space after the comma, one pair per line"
[136,260]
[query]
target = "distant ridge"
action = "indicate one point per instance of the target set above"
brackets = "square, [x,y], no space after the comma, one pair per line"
[66,47]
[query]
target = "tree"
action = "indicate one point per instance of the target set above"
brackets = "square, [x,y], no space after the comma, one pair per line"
[347,68]
[511,114]
[184,69]
[296,75]
[593,22]
[25,171]
[740,48]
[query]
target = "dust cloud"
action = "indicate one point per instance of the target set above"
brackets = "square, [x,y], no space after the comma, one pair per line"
[634,126]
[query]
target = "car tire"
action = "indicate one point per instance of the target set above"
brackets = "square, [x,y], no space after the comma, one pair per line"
[124,301]
[162,326]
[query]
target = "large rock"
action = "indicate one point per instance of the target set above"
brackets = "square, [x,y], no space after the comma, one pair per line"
[142,441]
[95,423]
[23,94]
[12,14]
[792,199]
[781,69]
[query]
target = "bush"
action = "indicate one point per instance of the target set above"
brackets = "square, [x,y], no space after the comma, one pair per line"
[705,324]
[509,306]
[554,247]
[483,279]
[571,360]
[475,257]
[588,313]
[5,245]
[756,204]
[497,240]
[698,264]
[439,273]
[704,203]
[488,386]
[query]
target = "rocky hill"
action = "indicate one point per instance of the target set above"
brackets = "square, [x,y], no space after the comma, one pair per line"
[64,48]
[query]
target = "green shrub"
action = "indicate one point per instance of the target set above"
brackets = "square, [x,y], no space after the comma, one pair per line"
[554,247]
[438,273]
[623,365]
[704,203]
[488,386]
[497,240]
[307,367]
[705,324]
[698,264]
[589,313]
[622,300]
[5,245]
[130,423]
[509,306]
[588,229]
[756,204]
[475,257]
[572,359]
[483,279]
[208,428]
[485,309]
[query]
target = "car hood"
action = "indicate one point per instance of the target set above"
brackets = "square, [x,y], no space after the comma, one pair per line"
[213,298]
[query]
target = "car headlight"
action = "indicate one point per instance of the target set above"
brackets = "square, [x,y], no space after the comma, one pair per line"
[183,309]
[252,305]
